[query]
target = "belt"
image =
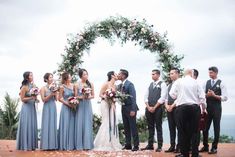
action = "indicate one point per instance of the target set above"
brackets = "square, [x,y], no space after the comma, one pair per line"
[183,105]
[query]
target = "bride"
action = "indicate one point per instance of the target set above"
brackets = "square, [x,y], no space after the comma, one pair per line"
[107,138]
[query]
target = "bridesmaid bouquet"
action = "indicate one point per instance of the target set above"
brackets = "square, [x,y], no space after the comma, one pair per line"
[34,91]
[54,87]
[86,91]
[73,102]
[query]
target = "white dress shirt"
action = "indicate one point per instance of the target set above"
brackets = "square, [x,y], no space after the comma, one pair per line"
[166,98]
[224,94]
[163,87]
[123,82]
[187,91]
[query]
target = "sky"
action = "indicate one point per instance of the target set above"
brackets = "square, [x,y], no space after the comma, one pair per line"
[33,35]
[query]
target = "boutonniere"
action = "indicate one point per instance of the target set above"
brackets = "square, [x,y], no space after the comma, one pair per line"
[158,86]
[217,86]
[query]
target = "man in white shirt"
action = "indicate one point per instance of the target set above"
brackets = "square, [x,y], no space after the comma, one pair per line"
[154,100]
[188,94]
[216,92]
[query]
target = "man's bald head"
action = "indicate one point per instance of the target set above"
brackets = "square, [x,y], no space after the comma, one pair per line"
[188,72]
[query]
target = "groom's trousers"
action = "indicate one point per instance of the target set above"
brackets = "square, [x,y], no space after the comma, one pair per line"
[130,128]
[155,119]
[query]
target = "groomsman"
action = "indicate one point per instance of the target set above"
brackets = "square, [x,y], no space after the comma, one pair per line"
[171,116]
[188,94]
[195,73]
[216,92]
[154,99]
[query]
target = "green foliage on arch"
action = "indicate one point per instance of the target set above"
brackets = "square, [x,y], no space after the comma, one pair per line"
[123,29]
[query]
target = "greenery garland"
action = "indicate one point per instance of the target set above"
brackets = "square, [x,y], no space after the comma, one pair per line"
[121,28]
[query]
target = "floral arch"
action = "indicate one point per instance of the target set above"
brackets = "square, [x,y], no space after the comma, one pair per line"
[113,28]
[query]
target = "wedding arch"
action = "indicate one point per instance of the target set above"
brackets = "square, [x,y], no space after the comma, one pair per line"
[124,29]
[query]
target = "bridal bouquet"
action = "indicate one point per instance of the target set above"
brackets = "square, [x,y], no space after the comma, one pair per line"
[86,91]
[121,97]
[54,87]
[34,91]
[73,102]
[110,96]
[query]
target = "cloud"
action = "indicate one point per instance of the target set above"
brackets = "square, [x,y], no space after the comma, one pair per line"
[19,19]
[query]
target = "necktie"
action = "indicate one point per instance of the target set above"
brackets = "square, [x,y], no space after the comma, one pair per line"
[121,87]
[154,84]
[212,83]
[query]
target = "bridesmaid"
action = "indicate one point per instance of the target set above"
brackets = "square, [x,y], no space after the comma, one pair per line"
[67,115]
[49,115]
[84,115]
[27,136]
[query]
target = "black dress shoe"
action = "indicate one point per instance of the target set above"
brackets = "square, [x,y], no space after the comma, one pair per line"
[158,149]
[171,149]
[212,151]
[179,155]
[126,148]
[204,149]
[135,149]
[148,147]
[177,150]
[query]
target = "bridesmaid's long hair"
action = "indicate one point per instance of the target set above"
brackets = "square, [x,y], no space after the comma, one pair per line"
[65,76]
[25,78]
[80,73]
[110,74]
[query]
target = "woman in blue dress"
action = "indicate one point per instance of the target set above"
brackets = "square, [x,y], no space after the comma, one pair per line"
[66,140]
[49,115]
[84,115]
[27,136]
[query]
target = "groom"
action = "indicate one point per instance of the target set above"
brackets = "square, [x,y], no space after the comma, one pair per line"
[129,111]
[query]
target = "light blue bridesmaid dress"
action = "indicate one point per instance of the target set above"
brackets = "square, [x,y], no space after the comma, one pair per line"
[84,124]
[49,124]
[27,133]
[66,140]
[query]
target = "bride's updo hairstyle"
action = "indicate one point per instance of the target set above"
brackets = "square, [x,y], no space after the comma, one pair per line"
[110,74]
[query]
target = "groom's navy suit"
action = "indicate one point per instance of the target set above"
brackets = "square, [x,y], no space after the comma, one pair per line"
[129,122]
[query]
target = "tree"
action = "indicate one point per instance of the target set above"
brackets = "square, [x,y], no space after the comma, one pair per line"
[9,117]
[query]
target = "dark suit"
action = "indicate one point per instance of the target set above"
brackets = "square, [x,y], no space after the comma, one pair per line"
[130,128]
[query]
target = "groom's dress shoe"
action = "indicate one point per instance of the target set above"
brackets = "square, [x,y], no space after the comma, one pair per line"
[135,149]
[159,149]
[126,148]
[147,148]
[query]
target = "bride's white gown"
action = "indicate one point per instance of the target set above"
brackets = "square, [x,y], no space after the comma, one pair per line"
[107,138]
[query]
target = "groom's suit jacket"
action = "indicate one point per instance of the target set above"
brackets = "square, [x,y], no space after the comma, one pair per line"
[130,102]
